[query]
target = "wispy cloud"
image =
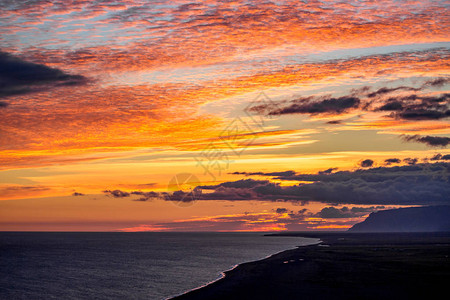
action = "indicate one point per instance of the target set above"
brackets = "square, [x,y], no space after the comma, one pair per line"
[21,191]
[432,141]
[276,220]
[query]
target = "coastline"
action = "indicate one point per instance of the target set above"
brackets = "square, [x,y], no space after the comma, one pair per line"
[350,266]
[223,274]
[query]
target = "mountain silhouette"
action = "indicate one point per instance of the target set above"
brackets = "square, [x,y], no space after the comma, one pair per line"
[411,219]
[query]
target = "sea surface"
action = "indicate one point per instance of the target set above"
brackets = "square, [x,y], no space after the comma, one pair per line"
[124,265]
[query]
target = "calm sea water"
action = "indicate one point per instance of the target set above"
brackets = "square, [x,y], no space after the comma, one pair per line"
[124,265]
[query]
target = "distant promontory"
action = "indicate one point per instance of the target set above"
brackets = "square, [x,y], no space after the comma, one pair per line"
[411,219]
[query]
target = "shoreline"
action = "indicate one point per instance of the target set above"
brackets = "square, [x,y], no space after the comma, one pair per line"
[342,266]
[223,274]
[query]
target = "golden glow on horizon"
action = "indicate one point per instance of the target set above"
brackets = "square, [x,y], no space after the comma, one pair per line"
[165,86]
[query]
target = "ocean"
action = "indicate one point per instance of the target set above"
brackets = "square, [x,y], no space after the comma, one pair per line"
[145,265]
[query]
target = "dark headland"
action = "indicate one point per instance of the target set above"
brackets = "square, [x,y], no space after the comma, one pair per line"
[346,265]
[409,219]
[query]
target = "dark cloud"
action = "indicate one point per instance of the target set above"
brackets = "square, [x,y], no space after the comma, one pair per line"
[436,157]
[117,193]
[392,106]
[332,213]
[414,184]
[386,90]
[367,210]
[334,122]
[390,161]
[438,82]
[411,161]
[281,210]
[77,194]
[146,195]
[417,107]
[276,174]
[280,174]
[311,105]
[182,196]
[243,183]
[328,171]
[284,175]
[411,106]
[345,212]
[367,163]
[432,141]
[232,193]
[246,173]
[21,77]
[421,114]
[3,104]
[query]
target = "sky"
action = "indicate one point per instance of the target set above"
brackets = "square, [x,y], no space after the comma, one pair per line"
[220,115]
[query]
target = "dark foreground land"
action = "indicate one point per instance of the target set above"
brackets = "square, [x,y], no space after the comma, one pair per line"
[343,266]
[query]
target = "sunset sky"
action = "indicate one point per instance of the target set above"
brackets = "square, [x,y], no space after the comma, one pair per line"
[220,116]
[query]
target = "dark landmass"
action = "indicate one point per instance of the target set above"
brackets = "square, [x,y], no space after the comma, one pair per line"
[345,265]
[411,219]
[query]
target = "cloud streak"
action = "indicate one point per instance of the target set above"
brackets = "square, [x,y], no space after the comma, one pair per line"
[412,184]
[22,77]
[406,107]
[432,141]
[312,106]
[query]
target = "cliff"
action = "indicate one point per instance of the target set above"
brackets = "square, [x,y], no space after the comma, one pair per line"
[411,219]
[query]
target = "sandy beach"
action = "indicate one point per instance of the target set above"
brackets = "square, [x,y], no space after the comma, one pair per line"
[343,266]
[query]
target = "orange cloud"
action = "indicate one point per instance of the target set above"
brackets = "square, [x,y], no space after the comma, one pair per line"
[116,118]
